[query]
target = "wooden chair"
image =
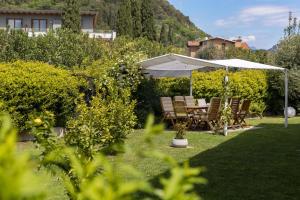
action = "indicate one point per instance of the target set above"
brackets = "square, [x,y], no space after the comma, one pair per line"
[202,103]
[181,112]
[168,109]
[235,107]
[244,111]
[189,101]
[212,117]
[179,98]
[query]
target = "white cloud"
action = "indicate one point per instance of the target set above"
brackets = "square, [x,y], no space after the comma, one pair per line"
[267,15]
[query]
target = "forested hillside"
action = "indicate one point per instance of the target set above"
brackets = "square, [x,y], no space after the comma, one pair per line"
[165,13]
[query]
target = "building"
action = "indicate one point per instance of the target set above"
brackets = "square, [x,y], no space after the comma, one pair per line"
[217,42]
[39,22]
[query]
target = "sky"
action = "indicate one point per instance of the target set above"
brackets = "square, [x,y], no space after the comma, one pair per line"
[258,22]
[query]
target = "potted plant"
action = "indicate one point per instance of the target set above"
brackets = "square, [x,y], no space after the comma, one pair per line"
[180,141]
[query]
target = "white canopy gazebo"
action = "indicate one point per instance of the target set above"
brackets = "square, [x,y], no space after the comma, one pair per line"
[174,65]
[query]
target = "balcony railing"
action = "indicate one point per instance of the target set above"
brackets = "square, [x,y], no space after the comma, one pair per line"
[99,34]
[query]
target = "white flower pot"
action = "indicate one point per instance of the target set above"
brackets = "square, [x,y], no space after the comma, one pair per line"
[180,143]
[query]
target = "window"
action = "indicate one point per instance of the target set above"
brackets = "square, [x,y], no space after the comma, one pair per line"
[14,23]
[39,25]
[223,46]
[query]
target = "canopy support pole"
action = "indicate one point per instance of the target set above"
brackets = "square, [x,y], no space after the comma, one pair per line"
[191,83]
[225,130]
[286,99]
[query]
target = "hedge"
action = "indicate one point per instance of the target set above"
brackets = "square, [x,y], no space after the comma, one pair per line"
[246,84]
[28,87]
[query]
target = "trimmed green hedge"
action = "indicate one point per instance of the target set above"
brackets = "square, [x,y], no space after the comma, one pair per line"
[27,87]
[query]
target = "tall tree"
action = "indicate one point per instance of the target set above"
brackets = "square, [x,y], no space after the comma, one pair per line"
[171,35]
[136,18]
[124,19]
[148,27]
[163,35]
[71,16]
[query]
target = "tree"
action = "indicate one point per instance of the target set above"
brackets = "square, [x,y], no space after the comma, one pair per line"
[163,35]
[71,16]
[124,19]
[136,18]
[170,35]
[148,27]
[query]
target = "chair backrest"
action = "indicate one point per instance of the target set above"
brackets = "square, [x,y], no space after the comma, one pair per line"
[235,105]
[245,107]
[214,108]
[201,102]
[178,98]
[166,104]
[180,109]
[189,101]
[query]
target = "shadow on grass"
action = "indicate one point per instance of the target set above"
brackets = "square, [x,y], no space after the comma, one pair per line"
[256,164]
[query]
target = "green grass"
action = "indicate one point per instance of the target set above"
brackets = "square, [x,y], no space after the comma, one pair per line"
[255,164]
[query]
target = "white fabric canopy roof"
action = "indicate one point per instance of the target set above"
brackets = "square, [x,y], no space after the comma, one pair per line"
[244,64]
[174,65]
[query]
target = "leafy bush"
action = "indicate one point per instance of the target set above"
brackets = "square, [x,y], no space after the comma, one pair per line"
[287,56]
[102,125]
[27,87]
[60,48]
[17,177]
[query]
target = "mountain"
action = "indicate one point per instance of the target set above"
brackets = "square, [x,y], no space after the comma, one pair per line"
[183,28]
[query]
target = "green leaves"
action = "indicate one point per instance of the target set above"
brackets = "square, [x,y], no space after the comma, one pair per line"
[27,87]
[17,178]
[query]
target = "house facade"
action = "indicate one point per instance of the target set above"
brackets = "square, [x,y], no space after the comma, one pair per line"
[216,42]
[39,22]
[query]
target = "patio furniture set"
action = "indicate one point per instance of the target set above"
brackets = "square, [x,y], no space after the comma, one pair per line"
[199,114]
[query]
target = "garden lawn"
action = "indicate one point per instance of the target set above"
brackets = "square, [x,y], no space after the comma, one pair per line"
[255,164]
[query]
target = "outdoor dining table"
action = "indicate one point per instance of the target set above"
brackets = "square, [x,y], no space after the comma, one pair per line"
[193,109]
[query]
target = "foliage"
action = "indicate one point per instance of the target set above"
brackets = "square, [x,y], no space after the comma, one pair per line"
[136,18]
[288,53]
[163,38]
[148,24]
[59,48]
[71,17]
[17,177]
[124,19]
[41,127]
[108,118]
[147,97]
[180,130]
[276,91]
[103,125]
[27,87]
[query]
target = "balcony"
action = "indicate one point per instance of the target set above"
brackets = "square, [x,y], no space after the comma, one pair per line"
[98,34]
[102,34]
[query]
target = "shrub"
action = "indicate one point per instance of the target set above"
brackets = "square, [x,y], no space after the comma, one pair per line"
[27,87]
[287,56]
[101,126]
[59,48]
[18,180]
